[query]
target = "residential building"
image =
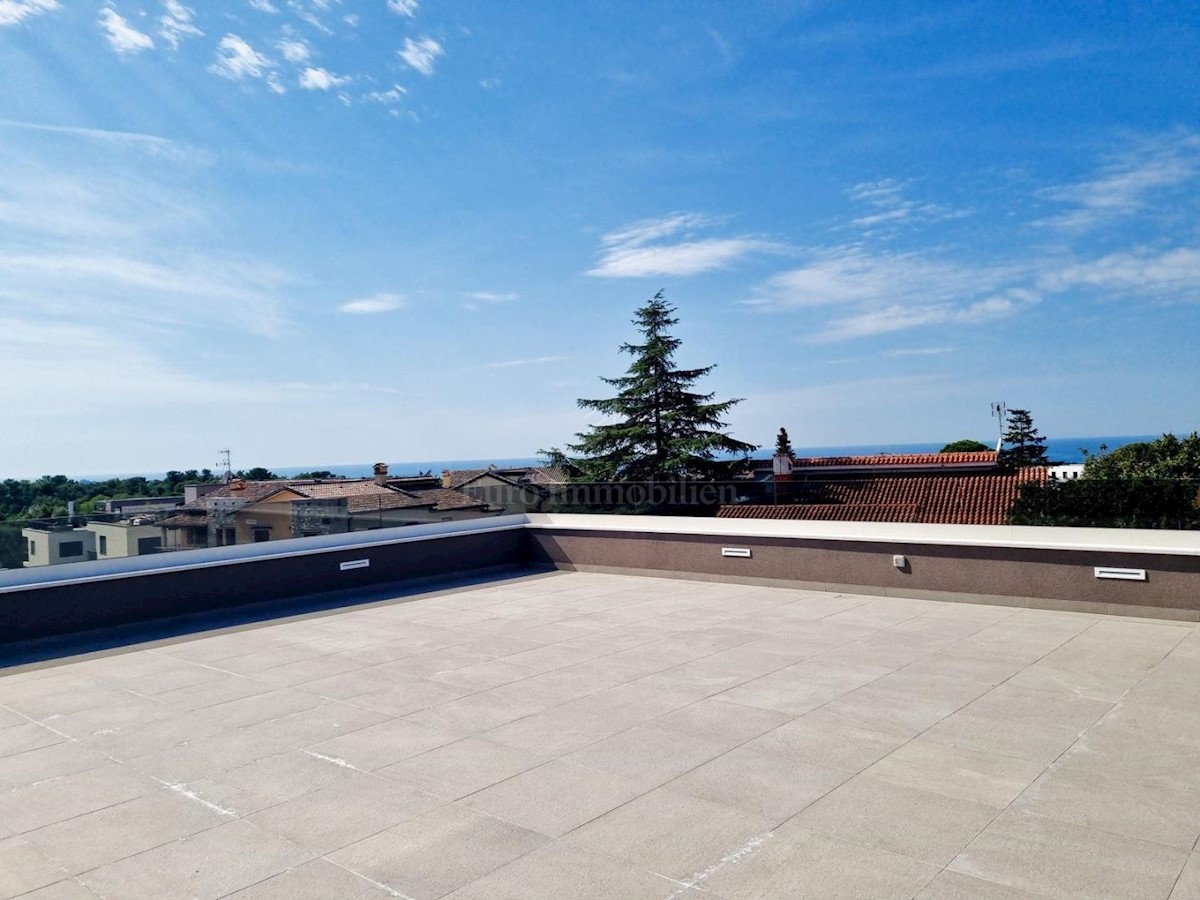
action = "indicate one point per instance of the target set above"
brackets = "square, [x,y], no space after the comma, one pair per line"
[513,489]
[53,545]
[138,536]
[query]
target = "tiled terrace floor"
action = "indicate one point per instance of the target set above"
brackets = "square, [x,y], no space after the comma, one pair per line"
[588,736]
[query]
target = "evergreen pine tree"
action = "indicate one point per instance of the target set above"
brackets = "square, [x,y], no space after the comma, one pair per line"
[783,444]
[663,429]
[1023,446]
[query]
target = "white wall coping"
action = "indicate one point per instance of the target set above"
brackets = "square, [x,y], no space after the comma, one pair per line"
[209,557]
[1107,540]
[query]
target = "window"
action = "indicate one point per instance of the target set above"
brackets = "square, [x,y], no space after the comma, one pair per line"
[149,545]
[32,548]
[262,534]
[103,545]
[70,548]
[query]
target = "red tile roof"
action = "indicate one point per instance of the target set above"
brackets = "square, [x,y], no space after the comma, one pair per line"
[982,457]
[949,498]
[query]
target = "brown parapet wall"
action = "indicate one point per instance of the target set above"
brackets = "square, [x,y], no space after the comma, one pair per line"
[1022,576]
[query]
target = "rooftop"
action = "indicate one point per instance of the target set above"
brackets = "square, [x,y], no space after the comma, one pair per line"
[585,735]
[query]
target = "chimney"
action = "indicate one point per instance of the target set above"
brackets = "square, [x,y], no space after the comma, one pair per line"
[445,478]
[381,474]
[237,485]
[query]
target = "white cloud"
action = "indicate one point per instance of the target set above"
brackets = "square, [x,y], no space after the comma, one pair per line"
[318,79]
[888,207]
[920,351]
[390,97]
[264,6]
[122,36]
[515,363]
[147,142]
[491,296]
[380,303]
[403,7]
[421,54]
[1123,186]
[489,84]
[176,24]
[1172,275]
[639,250]
[295,51]
[236,60]
[13,12]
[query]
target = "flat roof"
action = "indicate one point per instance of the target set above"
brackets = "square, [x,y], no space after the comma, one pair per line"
[584,735]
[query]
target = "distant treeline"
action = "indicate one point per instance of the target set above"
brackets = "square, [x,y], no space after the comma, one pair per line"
[47,497]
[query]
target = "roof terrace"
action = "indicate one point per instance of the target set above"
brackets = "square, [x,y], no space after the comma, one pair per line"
[578,734]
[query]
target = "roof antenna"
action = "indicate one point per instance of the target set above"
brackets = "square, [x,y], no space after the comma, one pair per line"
[225,467]
[1000,412]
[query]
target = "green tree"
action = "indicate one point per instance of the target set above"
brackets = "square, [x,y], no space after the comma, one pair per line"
[966,445]
[662,429]
[783,444]
[258,473]
[319,475]
[1023,445]
[1164,457]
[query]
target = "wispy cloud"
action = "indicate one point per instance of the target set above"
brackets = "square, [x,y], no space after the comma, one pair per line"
[491,296]
[920,351]
[516,363]
[264,6]
[984,65]
[669,246]
[295,50]
[177,23]
[421,54]
[380,303]
[403,7]
[887,207]
[147,142]
[237,60]
[122,36]
[1170,275]
[318,79]
[13,12]
[1125,183]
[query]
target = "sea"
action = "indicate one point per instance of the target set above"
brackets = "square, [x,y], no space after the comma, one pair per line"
[1059,450]
[1062,450]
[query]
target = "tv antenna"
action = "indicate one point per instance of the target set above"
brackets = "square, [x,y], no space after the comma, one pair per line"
[1000,412]
[224,465]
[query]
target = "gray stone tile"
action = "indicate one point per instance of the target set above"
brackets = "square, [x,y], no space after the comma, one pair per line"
[262,707]
[717,720]
[464,767]
[316,880]
[42,803]
[344,812]
[211,693]
[828,744]
[26,736]
[45,763]
[956,886]
[555,798]
[648,754]
[769,786]
[556,731]
[67,889]
[410,697]
[206,756]
[382,745]
[1033,740]
[672,834]
[919,824]
[275,779]
[130,713]
[23,868]
[321,723]
[1051,858]
[115,832]
[1188,885]
[561,871]
[800,864]
[438,852]
[958,772]
[204,866]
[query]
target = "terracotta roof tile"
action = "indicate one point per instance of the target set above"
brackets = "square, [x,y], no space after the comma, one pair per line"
[898,459]
[950,499]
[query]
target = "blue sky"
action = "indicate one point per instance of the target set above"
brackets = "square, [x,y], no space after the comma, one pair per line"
[316,231]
